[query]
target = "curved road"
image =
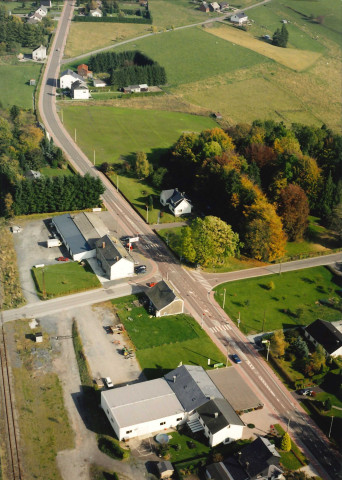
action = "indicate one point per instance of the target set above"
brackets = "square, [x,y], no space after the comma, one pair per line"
[192,286]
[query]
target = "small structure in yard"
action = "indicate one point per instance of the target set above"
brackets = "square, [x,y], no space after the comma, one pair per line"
[32,82]
[113,258]
[239,18]
[39,54]
[325,334]
[163,301]
[177,202]
[136,88]
[38,337]
[217,115]
[84,72]
[68,77]
[95,13]
[224,6]
[33,174]
[214,7]
[79,91]
[16,229]
[204,7]
[33,324]
[165,469]
[99,83]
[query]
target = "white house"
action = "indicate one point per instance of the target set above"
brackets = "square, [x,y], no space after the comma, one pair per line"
[163,301]
[95,13]
[239,18]
[34,18]
[42,11]
[143,87]
[39,54]
[68,77]
[215,7]
[142,408]
[325,334]
[178,204]
[113,258]
[99,83]
[79,91]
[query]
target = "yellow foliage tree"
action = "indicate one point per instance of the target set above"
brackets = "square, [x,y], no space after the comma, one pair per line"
[31,137]
[288,145]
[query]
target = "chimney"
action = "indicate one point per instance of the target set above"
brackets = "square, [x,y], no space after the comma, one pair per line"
[103,244]
[216,415]
[174,378]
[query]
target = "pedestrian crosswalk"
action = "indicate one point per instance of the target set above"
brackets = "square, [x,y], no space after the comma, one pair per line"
[220,328]
[199,278]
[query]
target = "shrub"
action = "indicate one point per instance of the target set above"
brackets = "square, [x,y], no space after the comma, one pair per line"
[270,286]
[286,442]
[111,447]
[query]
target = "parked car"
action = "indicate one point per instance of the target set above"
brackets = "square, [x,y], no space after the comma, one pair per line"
[305,391]
[236,358]
[151,284]
[62,259]
[108,382]
[125,238]
[140,269]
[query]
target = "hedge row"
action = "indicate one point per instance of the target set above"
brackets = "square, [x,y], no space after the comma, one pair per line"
[130,19]
[111,447]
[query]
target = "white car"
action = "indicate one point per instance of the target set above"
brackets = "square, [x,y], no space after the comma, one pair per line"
[108,382]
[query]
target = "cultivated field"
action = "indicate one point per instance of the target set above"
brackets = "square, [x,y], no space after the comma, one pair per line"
[14,84]
[295,298]
[125,131]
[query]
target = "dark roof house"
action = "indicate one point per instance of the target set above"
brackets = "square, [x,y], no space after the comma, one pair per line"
[325,334]
[163,300]
[113,257]
[218,413]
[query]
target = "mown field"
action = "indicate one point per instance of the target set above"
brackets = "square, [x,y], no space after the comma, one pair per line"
[14,84]
[294,299]
[167,13]
[124,131]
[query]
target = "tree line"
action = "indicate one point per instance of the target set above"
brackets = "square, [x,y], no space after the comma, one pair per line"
[14,32]
[130,67]
[24,147]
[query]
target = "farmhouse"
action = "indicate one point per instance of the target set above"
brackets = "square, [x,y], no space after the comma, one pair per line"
[239,18]
[257,460]
[45,3]
[224,6]
[39,54]
[95,13]
[84,72]
[325,334]
[113,258]
[204,7]
[99,83]
[79,91]
[42,11]
[177,202]
[214,7]
[79,233]
[163,301]
[68,77]
[136,88]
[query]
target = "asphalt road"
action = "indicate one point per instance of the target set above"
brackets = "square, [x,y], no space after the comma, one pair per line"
[192,286]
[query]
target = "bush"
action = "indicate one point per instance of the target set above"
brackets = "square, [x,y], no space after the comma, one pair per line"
[111,447]
[286,442]
[270,286]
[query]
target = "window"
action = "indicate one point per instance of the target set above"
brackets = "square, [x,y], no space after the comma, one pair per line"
[162,423]
[111,419]
[129,431]
[179,419]
[107,410]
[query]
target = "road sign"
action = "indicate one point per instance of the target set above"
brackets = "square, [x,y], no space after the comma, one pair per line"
[133,239]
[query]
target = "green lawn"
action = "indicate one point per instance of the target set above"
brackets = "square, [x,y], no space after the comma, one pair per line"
[184,452]
[293,301]
[55,172]
[290,460]
[161,343]
[64,279]
[14,84]
[125,131]
[176,12]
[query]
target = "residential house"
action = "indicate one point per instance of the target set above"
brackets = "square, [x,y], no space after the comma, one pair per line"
[163,300]
[325,334]
[99,83]
[42,11]
[34,18]
[68,77]
[95,13]
[45,3]
[204,7]
[214,7]
[257,460]
[39,54]
[136,88]
[113,258]
[79,91]
[178,204]
[84,72]
[239,18]
[224,6]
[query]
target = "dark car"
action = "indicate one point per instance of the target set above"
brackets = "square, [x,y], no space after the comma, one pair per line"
[236,358]
[125,238]
[140,269]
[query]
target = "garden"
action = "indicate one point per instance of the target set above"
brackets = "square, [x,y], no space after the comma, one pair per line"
[162,343]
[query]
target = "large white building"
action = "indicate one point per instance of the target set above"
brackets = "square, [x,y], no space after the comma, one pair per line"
[39,54]
[68,77]
[79,91]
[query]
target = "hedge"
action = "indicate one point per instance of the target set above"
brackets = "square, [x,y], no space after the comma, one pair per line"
[111,447]
[130,19]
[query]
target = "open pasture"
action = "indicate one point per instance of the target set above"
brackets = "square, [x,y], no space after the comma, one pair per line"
[14,84]
[167,13]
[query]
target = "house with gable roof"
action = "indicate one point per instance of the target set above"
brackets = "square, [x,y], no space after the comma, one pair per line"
[79,90]
[113,258]
[68,77]
[163,301]
[177,202]
[39,54]
[325,334]
[239,18]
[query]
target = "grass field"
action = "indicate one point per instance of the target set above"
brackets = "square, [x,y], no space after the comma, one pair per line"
[161,343]
[55,172]
[176,12]
[64,279]
[125,131]
[293,301]
[14,84]
[43,421]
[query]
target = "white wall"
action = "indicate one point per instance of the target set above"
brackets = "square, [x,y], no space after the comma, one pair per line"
[121,269]
[83,255]
[82,94]
[228,434]
[66,81]
[181,209]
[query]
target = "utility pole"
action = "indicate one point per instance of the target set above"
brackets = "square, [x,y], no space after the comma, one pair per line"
[75,136]
[224,298]
[332,419]
[268,347]
[146,213]
[239,320]
[117,182]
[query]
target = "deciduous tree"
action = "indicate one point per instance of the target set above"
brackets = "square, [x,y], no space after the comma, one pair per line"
[286,442]
[278,343]
[142,166]
[294,211]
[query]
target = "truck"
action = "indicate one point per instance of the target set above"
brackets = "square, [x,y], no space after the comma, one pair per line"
[53,242]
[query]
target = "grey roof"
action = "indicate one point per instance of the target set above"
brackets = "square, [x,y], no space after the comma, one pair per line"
[234,388]
[73,74]
[112,251]
[240,15]
[217,414]
[161,295]
[78,85]
[86,227]
[142,402]
[192,386]
[165,466]
[326,335]
[77,231]
[217,471]
[33,174]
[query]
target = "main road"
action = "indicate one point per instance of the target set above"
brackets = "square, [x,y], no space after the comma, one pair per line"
[192,286]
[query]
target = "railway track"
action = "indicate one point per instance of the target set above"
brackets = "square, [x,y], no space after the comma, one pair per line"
[13,458]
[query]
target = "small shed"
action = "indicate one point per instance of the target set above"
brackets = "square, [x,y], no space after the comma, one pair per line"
[217,115]
[204,7]
[99,83]
[39,337]
[16,229]
[32,82]
[165,469]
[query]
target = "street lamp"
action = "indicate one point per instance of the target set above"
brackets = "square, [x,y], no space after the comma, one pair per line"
[332,419]
[268,347]
[224,298]
[146,213]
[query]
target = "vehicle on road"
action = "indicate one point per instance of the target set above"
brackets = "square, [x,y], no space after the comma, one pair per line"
[236,358]
[125,238]
[62,259]
[108,382]
[140,269]
[108,329]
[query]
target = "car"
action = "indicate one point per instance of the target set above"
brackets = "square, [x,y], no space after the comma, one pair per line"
[305,391]
[108,382]
[140,269]
[125,238]
[62,259]
[236,358]
[108,329]
[152,284]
